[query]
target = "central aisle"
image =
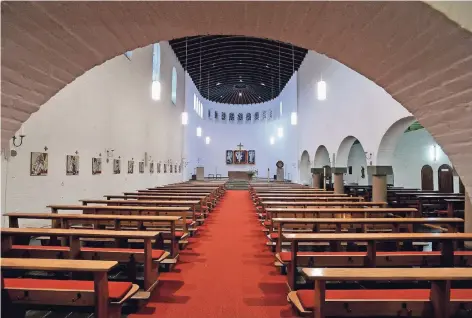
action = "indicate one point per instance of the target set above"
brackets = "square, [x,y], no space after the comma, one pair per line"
[226,271]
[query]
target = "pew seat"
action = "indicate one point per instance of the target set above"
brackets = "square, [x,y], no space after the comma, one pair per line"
[392,258]
[156,254]
[98,295]
[304,299]
[117,290]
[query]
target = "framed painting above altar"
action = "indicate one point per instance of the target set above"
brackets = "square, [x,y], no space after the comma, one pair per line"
[240,157]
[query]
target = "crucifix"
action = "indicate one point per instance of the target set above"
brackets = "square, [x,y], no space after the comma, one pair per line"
[239,146]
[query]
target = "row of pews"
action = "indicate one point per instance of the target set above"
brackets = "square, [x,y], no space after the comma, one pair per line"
[100,255]
[347,257]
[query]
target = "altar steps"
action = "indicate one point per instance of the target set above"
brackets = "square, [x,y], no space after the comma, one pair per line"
[237,185]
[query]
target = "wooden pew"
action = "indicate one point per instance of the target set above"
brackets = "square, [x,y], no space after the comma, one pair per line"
[440,301]
[209,196]
[66,220]
[190,203]
[148,256]
[106,298]
[291,197]
[340,212]
[437,199]
[136,210]
[369,259]
[451,205]
[394,223]
[205,203]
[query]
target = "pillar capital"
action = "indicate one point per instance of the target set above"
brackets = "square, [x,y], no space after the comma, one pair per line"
[339,170]
[321,170]
[379,170]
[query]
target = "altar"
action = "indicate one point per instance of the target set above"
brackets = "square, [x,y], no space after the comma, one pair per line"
[239,175]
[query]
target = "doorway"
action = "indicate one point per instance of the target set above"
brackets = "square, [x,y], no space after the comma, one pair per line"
[427,182]
[445,179]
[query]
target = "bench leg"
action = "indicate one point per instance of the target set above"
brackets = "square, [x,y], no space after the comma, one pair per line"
[114,311]
[440,296]
[101,294]
[320,291]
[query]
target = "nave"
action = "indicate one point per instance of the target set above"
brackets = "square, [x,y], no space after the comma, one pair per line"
[277,250]
[227,270]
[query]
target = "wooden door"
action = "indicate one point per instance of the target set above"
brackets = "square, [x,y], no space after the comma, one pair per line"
[427,182]
[445,179]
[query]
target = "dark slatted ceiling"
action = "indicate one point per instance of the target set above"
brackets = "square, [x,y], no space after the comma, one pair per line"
[238,69]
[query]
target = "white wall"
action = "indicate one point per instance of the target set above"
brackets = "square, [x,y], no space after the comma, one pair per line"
[411,154]
[109,107]
[355,106]
[254,136]
[357,160]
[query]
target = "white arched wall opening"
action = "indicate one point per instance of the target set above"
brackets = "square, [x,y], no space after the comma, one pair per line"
[390,139]
[321,157]
[344,149]
[305,176]
[424,63]
[352,156]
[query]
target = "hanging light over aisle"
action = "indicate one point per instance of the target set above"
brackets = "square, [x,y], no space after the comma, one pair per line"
[280,132]
[184,118]
[321,90]
[156,90]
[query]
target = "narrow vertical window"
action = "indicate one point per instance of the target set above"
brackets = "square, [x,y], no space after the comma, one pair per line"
[156,69]
[174,86]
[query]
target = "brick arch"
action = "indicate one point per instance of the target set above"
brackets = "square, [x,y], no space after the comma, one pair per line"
[414,52]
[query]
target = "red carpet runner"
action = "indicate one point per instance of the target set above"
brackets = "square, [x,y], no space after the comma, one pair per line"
[226,271]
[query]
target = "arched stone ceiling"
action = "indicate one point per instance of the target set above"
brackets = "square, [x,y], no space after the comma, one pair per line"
[414,52]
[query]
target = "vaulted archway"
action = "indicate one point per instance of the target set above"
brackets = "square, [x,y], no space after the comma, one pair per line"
[423,62]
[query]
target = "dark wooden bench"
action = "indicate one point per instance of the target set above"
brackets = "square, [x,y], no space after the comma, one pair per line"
[338,212]
[313,224]
[104,298]
[72,248]
[447,256]
[196,216]
[440,301]
[143,222]
[131,210]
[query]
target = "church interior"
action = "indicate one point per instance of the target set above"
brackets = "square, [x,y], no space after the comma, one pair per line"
[236,159]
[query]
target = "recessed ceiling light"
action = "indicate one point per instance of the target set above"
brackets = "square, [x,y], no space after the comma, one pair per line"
[218,83]
[267,65]
[240,94]
[262,84]
[240,80]
[259,97]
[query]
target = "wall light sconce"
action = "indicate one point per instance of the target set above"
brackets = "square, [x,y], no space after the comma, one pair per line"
[293,118]
[434,152]
[21,140]
[207,140]
[22,135]
[272,140]
[199,131]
